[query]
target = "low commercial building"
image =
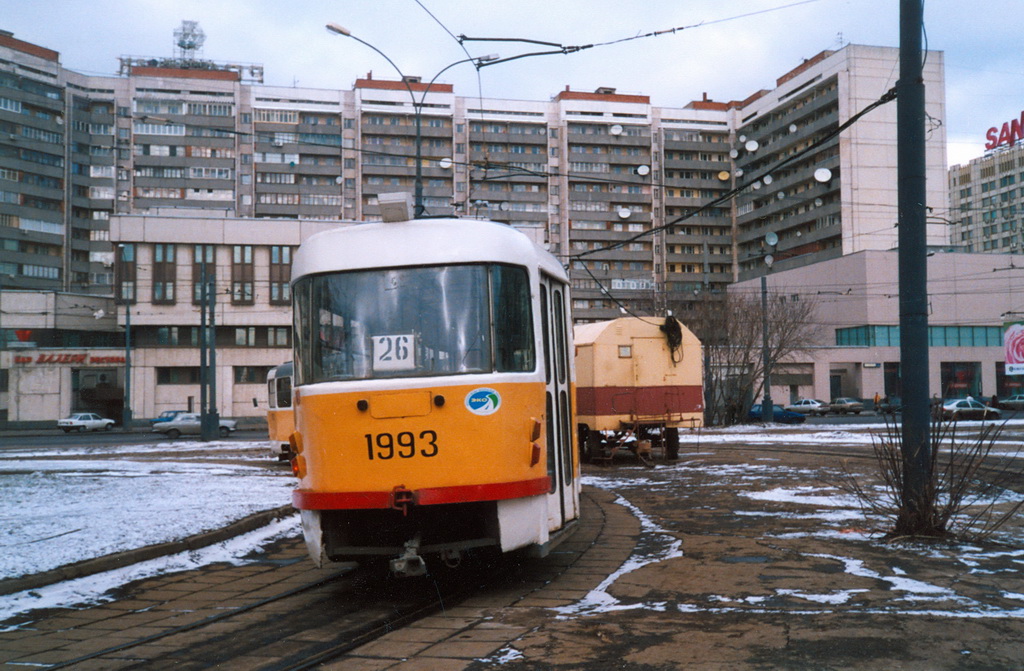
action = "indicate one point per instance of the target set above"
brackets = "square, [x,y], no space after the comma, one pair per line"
[161,259]
[971,296]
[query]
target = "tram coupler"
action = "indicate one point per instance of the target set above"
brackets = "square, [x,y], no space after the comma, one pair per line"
[410,564]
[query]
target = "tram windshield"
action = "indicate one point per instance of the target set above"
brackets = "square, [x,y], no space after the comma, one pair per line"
[409,322]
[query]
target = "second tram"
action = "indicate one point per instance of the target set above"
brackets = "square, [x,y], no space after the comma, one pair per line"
[280,414]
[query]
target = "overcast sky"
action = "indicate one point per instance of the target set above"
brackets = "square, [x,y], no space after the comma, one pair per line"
[723,52]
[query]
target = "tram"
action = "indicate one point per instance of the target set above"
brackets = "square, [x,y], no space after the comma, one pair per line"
[433,393]
[280,414]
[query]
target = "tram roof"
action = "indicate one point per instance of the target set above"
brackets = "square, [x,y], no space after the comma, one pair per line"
[420,242]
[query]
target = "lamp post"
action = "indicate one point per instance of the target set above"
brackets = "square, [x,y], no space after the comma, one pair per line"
[126,411]
[767,409]
[416,105]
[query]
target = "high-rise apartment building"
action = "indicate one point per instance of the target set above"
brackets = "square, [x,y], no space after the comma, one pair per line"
[650,208]
[647,205]
[986,199]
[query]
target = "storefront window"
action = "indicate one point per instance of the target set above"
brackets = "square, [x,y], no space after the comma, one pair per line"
[960,379]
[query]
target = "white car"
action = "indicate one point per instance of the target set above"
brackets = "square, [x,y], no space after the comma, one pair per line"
[968,408]
[809,406]
[84,421]
[189,423]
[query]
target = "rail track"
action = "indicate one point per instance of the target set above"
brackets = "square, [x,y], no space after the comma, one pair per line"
[295,626]
[290,616]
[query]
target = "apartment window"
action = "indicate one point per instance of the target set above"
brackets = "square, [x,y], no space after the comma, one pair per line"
[251,374]
[167,335]
[202,260]
[280,275]
[126,270]
[245,336]
[164,273]
[276,116]
[177,375]
[242,273]
[277,336]
[177,336]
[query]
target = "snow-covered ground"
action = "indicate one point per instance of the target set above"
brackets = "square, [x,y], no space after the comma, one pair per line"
[63,505]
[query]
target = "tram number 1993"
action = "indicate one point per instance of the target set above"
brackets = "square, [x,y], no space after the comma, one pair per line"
[404,445]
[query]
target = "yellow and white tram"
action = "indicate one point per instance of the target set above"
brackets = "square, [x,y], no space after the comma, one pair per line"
[433,393]
[280,415]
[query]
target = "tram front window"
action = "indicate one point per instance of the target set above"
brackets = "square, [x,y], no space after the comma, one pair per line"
[408,322]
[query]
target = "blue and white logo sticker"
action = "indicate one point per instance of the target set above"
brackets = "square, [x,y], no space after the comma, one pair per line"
[483,401]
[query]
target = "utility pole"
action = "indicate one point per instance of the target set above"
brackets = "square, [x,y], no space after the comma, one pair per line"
[126,301]
[213,417]
[916,496]
[767,409]
[204,372]
[126,411]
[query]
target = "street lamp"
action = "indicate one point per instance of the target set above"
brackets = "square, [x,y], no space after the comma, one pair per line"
[767,409]
[417,105]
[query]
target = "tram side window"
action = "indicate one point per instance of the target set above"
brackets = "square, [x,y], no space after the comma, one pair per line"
[301,335]
[284,392]
[513,326]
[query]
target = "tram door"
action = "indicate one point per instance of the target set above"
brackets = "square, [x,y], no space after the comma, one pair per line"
[557,350]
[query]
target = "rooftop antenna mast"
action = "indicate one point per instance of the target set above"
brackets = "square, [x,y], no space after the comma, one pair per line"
[188,41]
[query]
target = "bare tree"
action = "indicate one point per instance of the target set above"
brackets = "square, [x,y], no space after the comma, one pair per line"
[729,327]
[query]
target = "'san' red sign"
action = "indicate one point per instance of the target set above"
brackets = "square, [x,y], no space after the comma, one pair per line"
[1010,132]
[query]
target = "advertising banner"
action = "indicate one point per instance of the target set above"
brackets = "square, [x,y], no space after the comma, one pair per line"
[1013,347]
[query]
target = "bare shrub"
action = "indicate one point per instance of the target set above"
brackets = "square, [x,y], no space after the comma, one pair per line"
[967,483]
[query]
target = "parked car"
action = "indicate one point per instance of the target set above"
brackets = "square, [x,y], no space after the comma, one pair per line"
[844,404]
[84,421]
[968,408]
[188,423]
[166,416]
[808,406]
[779,415]
[1015,402]
[890,405]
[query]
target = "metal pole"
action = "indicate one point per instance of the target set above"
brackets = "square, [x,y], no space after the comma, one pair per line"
[767,411]
[126,301]
[126,411]
[418,182]
[214,418]
[913,271]
[203,367]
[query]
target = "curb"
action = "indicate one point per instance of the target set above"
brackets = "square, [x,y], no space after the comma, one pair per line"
[119,559]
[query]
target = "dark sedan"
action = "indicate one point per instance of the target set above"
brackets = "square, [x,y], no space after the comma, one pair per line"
[780,415]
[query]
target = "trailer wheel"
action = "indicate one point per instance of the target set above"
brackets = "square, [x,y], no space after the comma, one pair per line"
[671,443]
